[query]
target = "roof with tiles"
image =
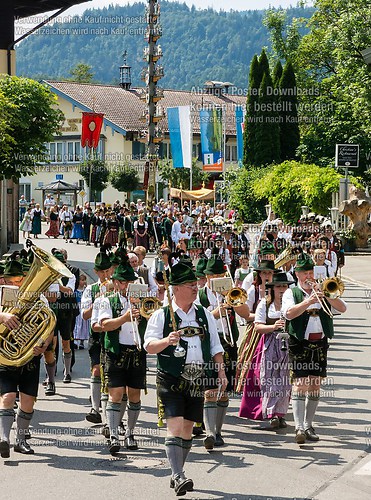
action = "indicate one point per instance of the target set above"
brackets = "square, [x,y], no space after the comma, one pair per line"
[124,107]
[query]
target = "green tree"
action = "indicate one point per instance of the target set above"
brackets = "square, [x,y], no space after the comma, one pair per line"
[268,133]
[291,184]
[95,173]
[124,178]
[181,176]
[289,125]
[249,141]
[240,194]
[82,73]
[30,120]
[277,74]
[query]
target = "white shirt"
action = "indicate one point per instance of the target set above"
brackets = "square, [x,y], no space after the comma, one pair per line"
[261,312]
[247,282]
[66,216]
[86,301]
[126,335]
[155,328]
[223,252]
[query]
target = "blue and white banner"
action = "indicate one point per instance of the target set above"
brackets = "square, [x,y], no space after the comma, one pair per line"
[240,125]
[179,123]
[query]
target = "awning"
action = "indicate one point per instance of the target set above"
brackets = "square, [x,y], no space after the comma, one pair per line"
[198,194]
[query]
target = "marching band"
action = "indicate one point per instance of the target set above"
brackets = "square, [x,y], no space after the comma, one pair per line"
[202,360]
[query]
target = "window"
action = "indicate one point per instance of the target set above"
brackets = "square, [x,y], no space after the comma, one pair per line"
[25,189]
[56,152]
[81,184]
[138,150]
[231,152]
[73,151]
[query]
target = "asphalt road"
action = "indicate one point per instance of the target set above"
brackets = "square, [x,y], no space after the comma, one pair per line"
[72,461]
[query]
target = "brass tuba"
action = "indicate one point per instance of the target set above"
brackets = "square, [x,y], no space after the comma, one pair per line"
[37,320]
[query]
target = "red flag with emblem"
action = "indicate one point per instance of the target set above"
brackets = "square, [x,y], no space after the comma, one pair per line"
[91,127]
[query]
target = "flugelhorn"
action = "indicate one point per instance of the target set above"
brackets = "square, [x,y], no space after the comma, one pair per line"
[289,253]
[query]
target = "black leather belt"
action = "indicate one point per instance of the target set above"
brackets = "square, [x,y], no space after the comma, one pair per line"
[192,331]
[313,312]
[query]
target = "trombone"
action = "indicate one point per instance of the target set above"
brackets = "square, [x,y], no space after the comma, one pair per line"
[332,288]
[135,293]
[220,285]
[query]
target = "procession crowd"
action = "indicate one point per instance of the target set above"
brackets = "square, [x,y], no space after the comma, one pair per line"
[209,276]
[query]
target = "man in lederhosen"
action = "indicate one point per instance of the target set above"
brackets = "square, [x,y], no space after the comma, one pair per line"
[181,379]
[216,405]
[309,328]
[125,361]
[102,268]
[24,379]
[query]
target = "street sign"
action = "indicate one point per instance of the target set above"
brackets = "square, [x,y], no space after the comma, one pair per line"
[59,177]
[347,155]
[82,193]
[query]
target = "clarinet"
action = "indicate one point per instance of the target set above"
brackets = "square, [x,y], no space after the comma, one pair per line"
[283,338]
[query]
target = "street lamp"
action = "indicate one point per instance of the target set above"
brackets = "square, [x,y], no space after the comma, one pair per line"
[268,209]
[304,210]
[334,217]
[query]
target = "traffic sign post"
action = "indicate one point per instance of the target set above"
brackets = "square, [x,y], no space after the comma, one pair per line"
[347,156]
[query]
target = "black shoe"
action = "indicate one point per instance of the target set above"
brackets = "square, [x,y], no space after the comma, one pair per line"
[105,431]
[45,382]
[81,346]
[121,429]
[4,449]
[283,423]
[94,417]
[209,442]
[114,445]
[197,430]
[311,435]
[67,379]
[23,447]
[182,485]
[130,443]
[300,436]
[219,441]
[274,423]
[50,389]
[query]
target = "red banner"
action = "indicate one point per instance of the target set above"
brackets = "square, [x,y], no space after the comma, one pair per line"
[91,127]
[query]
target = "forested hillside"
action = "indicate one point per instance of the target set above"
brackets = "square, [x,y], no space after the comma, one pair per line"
[198,45]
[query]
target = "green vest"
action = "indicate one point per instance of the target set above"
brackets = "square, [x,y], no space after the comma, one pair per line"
[167,362]
[297,326]
[111,339]
[202,295]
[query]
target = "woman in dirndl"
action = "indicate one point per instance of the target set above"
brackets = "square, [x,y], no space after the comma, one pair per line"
[36,215]
[53,230]
[269,387]
[111,235]
[263,274]
[140,232]
[78,230]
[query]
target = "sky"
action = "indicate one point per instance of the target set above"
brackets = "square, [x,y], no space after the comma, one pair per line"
[202,4]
